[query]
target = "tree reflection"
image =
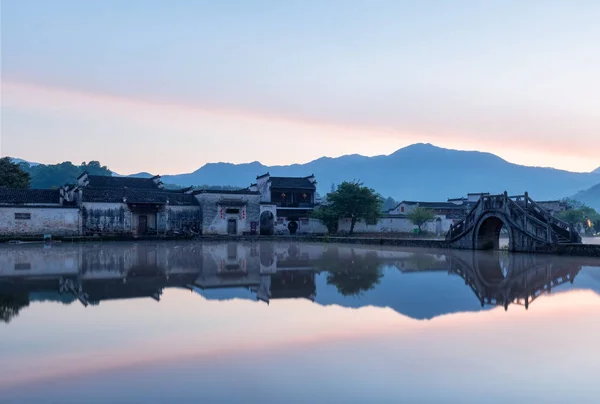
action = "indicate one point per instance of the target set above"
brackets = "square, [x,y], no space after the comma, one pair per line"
[10,305]
[353,273]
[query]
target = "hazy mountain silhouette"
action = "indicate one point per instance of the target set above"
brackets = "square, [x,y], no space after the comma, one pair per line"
[421,172]
[590,197]
[597,170]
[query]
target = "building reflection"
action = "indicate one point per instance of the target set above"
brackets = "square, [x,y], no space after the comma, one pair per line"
[92,273]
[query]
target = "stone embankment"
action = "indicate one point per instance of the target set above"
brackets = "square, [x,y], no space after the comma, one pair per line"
[580,250]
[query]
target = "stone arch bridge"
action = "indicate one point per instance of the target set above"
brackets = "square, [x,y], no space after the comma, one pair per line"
[530,227]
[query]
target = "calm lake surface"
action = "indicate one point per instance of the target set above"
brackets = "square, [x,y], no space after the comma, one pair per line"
[185,322]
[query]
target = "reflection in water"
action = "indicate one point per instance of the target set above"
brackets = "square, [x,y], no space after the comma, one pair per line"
[11,304]
[354,273]
[95,273]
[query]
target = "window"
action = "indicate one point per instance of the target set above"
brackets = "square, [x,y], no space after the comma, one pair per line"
[232,211]
[401,208]
[22,266]
[22,216]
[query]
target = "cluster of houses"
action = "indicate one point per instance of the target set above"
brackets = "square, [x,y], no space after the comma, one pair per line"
[108,205]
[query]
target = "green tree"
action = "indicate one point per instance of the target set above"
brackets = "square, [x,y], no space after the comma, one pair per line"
[419,216]
[579,214]
[57,175]
[12,175]
[352,200]
[328,216]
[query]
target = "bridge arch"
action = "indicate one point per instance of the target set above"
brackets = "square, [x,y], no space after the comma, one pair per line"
[486,235]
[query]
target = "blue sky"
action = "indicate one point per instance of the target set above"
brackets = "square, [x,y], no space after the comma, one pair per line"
[135,83]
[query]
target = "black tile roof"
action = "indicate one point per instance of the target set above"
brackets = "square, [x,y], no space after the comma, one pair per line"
[433,205]
[245,191]
[29,196]
[105,181]
[291,182]
[114,195]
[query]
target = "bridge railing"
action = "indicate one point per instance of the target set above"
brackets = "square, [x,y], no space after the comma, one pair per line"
[524,212]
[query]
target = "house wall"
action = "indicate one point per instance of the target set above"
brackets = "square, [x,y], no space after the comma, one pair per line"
[394,225]
[180,217]
[264,188]
[214,216]
[57,221]
[107,218]
[305,226]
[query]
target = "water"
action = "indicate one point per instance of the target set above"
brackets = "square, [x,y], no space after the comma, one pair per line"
[281,322]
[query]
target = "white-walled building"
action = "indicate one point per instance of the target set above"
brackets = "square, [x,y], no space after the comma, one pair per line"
[229,212]
[287,204]
[36,212]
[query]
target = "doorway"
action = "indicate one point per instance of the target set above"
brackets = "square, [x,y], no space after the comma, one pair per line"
[293,227]
[142,224]
[231,226]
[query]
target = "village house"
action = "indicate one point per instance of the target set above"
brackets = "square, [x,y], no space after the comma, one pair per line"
[36,212]
[234,212]
[286,204]
[136,206]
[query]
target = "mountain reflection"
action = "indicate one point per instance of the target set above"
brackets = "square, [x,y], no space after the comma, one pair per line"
[412,282]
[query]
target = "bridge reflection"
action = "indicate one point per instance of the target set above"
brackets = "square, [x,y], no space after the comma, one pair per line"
[91,274]
[501,279]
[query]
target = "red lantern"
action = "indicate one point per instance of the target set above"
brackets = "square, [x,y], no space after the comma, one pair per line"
[304,196]
[243,213]
[221,213]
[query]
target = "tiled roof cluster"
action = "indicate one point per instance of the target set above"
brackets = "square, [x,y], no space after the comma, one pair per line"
[434,205]
[105,181]
[291,182]
[29,196]
[116,195]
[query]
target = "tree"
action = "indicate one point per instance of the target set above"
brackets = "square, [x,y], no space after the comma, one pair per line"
[12,175]
[57,175]
[328,216]
[581,215]
[352,200]
[419,216]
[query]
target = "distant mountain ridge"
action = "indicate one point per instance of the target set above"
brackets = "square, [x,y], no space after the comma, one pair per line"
[590,197]
[417,172]
[596,171]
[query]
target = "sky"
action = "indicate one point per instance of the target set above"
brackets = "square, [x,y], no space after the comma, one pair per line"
[167,86]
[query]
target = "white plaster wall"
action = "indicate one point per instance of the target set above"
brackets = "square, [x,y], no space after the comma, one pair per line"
[213,223]
[393,225]
[264,188]
[177,214]
[383,225]
[103,221]
[55,221]
[313,226]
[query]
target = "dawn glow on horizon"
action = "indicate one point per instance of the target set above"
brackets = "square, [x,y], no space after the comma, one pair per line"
[168,87]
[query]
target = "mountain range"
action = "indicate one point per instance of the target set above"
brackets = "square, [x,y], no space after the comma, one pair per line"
[417,172]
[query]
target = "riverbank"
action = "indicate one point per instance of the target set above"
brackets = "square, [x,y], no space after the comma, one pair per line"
[581,250]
